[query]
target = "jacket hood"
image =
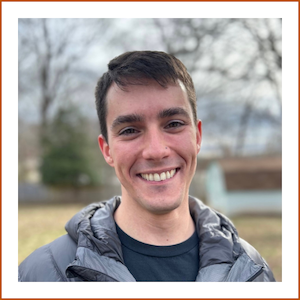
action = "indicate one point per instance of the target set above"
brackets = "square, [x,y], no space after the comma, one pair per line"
[219,240]
[94,225]
[99,251]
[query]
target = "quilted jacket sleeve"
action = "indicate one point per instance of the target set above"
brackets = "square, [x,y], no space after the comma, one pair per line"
[49,262]
[267,274]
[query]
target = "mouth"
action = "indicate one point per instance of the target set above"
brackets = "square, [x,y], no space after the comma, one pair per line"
[159,176]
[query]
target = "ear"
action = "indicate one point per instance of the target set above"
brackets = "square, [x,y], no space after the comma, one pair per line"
[199,135]
[104,147]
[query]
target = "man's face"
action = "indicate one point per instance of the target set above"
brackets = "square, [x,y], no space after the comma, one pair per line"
[153,144]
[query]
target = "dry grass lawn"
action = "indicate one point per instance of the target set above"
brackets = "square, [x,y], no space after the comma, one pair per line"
[41,224]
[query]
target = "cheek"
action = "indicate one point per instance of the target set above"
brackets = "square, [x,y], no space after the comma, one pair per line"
[123,158]
[188,151]
[188,144]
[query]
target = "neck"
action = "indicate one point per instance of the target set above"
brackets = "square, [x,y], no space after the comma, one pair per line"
[163,229]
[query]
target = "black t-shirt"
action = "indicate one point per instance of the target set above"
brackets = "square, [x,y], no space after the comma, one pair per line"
[146,262]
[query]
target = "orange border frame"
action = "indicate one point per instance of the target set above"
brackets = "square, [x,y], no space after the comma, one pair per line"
[128,1]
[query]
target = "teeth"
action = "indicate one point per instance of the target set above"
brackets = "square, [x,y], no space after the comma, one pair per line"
[156,177]
[159,177]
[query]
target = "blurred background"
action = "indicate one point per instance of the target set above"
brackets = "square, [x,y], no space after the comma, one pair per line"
[236,68]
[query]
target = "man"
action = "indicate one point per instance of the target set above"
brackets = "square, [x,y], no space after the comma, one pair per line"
[151,136]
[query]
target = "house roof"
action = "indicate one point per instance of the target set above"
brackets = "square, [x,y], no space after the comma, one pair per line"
[256,173]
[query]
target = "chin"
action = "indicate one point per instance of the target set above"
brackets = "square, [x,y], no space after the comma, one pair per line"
[161,205]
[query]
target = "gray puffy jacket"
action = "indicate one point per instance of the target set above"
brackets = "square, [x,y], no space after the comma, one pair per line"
[91,251]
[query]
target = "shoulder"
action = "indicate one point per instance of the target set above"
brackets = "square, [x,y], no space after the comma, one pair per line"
[267,274]
[48,263]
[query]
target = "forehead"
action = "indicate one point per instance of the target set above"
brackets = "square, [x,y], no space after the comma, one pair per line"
[145,99]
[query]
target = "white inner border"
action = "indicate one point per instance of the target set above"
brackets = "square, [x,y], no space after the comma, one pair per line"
[11,11]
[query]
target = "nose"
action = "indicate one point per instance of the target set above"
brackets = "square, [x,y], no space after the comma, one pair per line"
[155,147]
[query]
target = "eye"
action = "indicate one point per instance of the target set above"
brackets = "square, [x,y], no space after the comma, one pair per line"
[174,124]
[128,131]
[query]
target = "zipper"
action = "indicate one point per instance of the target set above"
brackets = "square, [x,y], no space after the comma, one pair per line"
[255,275]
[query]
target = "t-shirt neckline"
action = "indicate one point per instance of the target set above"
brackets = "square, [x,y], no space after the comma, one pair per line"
[158,251]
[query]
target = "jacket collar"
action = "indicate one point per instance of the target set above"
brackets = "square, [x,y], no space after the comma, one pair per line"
[219,241]
[99,248]
[99,253]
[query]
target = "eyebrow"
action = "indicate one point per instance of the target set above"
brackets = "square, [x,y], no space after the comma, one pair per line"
[170,112]
[132,118]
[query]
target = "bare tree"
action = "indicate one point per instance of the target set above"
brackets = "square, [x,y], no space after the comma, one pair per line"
[51,57]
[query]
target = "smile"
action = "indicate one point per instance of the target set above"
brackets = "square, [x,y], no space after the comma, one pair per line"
[159,177]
